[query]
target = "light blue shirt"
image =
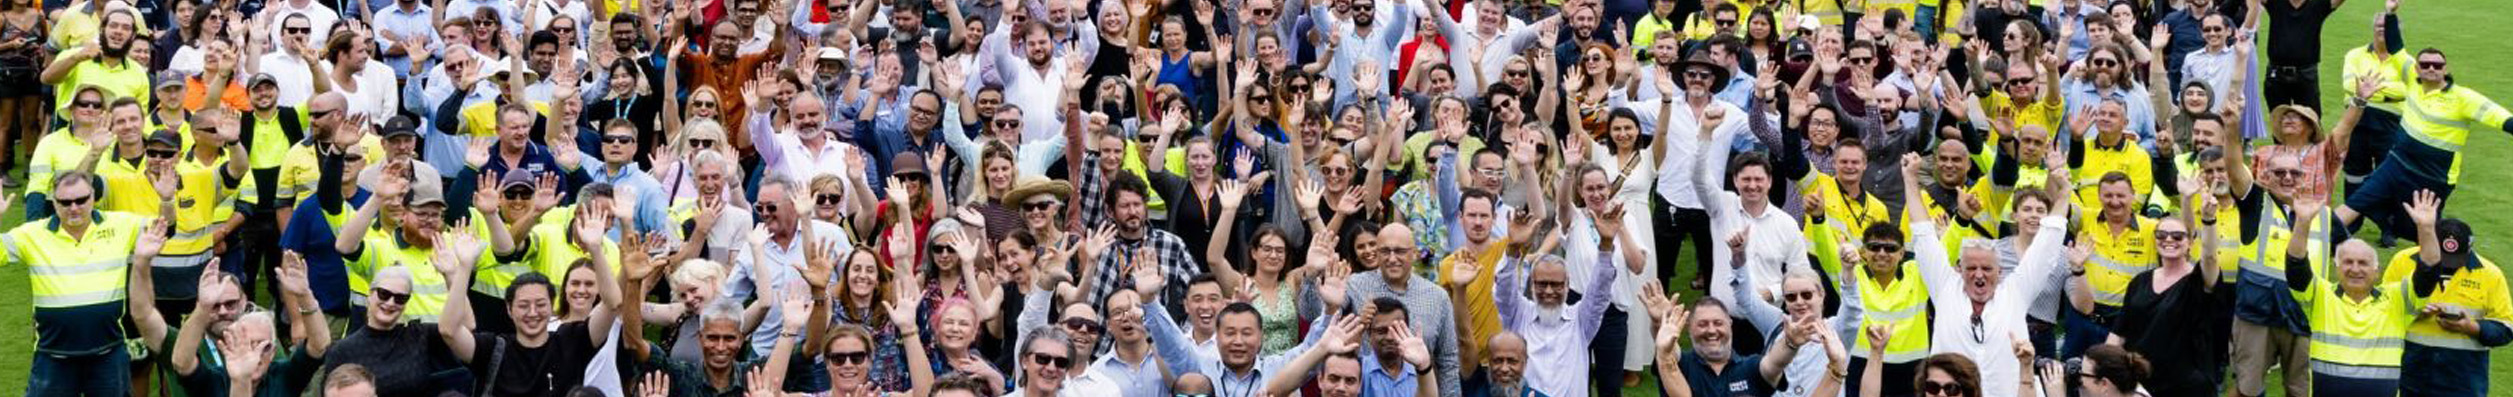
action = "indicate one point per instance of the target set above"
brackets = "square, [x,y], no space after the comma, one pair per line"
[1379,44]
[1179,354]
[1377,382]
[417,23]
[650,200]
[2083,97]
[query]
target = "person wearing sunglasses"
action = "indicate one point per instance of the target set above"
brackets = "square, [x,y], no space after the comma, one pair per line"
[130,164]
[2176,310]
[66,150]
[1941,375]
[2442,117]
[619,169]
[104,62]
[80,348]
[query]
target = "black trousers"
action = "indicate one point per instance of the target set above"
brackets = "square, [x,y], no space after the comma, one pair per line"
[2292,85]
[1605,364]
[1675,226]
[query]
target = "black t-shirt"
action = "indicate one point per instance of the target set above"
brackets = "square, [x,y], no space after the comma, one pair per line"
[2182,330]
[553,369]
[403,359]
[2296,31]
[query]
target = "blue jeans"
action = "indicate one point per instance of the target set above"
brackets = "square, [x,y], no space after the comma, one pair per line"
[105,375]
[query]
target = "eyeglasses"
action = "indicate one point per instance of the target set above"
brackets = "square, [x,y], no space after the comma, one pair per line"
[1083,324]
[1935,388]
[2211,29]
[1397,251]
[702,104]
[828,200]
[320,113]
[1337,170]
[72,202]
[619,139]
[86,104]
[2175,235]
[1549,284]
[2286,173]
[2103,62]
[1699,74]
[386,295]
[1037,206]
[765,208]
[702,143]
[296,30]
[2430,65]
[1884,246]
[1050,360]
[858,357]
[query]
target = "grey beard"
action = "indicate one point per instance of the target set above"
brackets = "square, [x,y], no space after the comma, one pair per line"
[1511,389]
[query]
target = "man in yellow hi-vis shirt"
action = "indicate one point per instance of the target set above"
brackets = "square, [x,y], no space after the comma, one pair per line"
[2438,115]
[2466,310]
[76,262]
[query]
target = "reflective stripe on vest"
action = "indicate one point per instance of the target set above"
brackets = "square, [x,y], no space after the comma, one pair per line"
[2355,371]
[79,284]
[2415,115]
[2113,285]
[2454,342]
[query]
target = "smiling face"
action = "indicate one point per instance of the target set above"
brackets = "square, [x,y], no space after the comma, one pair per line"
[720,343]
[1710,333]
[848,360]
[530,308]
[582,291]
[2172,239]
[956,326]
[1239,338]
[1550,283]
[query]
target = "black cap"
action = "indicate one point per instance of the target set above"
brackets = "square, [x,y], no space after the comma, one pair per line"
[164,137]
[2454,236]
[401,126]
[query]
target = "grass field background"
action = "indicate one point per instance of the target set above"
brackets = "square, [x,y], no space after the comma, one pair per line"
[2473,32]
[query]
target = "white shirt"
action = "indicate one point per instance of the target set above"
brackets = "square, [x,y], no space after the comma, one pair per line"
[1580,253]
[1775,244]
[1990,343]
[1686,153]
[376,95]
[322,17]
[295,77]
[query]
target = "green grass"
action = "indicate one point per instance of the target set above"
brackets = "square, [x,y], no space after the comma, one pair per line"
[2461,28]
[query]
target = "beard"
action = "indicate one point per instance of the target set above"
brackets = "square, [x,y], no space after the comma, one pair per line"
[111,50]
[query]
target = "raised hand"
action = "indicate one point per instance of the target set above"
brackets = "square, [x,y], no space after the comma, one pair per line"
[150,243]
[654,384]
[797,308]
[762,385]
[1878,336]
[545,192]
[1232,192]
[1412,347]
[1147,274]
[2424,207]
[1344,336]
[292,274]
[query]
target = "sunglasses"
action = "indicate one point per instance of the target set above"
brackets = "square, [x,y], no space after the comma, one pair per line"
[1083,324]
[1884,246]
[2176,235]
[1725,22]
[1798,296]
[2430,65]
[2019,82]
[1940,389]
[704,104]
[618,139]
[518,194]
[849,357]
[1052,361]
[385,295]
[2104,62]
[943,250]
[1514,73]
[1007,123]
[161,154]
[702,143]
[1036,206]
[297,30]
[87,104]
[72,202]
[1261,12]
[827,200]
[1863,60]
[320,113]
[1549,284]
[353,158]
[1697,74]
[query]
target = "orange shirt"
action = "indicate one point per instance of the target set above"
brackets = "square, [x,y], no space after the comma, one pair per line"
[196,95]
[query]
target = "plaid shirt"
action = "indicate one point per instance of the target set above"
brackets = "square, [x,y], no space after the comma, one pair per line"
[1090,190]
[1176,265]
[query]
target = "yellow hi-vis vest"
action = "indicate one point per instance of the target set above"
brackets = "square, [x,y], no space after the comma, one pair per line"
[2117,257]
[2442,119]
[2357,339]
[1901,308]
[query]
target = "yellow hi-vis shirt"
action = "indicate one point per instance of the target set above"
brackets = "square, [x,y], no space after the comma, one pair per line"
[2394,70]
[2358,339]
[2127,158]
[1849,218]
[79,281]
[203,202]
[1901,308]
[2440,121]
[55,153]
[2474,291]
[2118,257]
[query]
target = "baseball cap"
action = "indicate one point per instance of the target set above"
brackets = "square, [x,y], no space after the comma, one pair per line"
[2454,237]
[164,137]
[907,163]
[426,191]
[401,126]
[262,78]
[514,179]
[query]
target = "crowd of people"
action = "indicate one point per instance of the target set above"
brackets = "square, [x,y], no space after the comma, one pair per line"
[1238,198]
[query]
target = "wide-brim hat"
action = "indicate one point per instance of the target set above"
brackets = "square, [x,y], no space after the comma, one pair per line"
[2312,119]
[1031,186]
[1719,74]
